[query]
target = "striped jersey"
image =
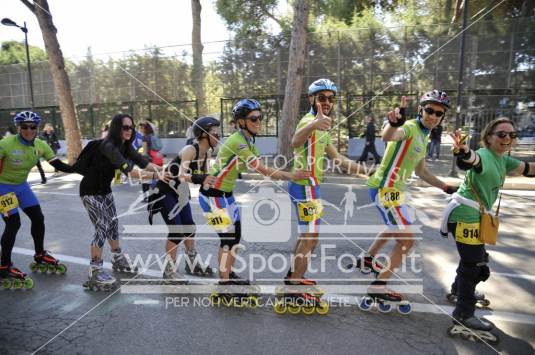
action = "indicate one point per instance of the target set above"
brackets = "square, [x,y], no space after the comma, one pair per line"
[234,157]
[401,158]
[311,155]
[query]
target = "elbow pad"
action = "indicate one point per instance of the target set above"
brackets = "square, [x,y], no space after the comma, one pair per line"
[526,170]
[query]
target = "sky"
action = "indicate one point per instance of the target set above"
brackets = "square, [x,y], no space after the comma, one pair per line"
[114,26]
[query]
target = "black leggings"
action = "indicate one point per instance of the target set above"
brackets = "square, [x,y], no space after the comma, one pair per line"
[12,227]
[472,269]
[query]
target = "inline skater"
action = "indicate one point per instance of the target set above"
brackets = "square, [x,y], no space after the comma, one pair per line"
[18,155]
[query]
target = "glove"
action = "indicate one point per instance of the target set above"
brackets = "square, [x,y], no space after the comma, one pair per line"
[450,189]
[400,121]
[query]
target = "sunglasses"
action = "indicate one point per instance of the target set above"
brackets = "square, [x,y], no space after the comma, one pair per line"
[127,128]
[32,127]
[430,111]
[214,135]
[255,118]
[503,134]
[323,98]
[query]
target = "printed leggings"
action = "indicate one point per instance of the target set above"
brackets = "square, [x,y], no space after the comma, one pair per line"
[101,210]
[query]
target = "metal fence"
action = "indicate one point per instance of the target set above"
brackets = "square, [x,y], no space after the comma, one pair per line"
[172,119]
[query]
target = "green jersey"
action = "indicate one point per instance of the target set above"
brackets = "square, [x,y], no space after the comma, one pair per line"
[487,184]
[18,157]
[311,155]
[401,158]
[234,157]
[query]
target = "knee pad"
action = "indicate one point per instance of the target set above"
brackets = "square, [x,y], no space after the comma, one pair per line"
[484,273]
[175,238]
[231,239]
[470,273]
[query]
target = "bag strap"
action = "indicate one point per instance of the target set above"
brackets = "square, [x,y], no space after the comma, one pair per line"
[474,191]
[481,208]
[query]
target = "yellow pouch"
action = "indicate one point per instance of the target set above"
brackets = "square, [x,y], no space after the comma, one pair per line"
[489,228]
[310,210]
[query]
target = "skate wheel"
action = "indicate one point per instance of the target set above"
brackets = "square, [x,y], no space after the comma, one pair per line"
[384,307]
[404,308]
[42,268]
[452,331]
[292,309]
[450,297]
[280,307]
[7,284]
[17,283]
[253,302]
[366,303]
[33,267]
[52,268]
[484,303]
[308,310]
[487,337]
[214,300]
[323,308]
[61,269]
[365,270]
[28,284]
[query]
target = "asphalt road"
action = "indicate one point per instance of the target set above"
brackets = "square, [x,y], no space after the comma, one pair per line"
[59,316]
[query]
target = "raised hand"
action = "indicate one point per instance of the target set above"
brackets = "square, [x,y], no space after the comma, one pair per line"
[459,141]
[396,118]
[322,122]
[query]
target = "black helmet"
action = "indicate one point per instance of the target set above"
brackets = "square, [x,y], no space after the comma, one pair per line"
[243,107]
[203,125]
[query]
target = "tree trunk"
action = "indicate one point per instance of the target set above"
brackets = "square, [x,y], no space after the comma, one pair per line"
[59,75]
[198,72]
[294,80]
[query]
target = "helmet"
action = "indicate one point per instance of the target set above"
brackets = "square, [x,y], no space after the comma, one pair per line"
[435,96]
[26,116]
[203,125]
[321,85]
[243,107]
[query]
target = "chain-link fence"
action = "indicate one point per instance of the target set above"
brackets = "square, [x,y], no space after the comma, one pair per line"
[372,67]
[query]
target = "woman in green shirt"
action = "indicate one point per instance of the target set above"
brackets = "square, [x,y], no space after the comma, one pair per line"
[487,168]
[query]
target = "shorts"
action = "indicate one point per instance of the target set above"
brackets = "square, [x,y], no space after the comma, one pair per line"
[225,204]
[393,217]
[301,197]
[24,194]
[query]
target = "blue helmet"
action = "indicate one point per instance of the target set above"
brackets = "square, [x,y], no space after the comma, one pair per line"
[26,117]
[436,97]
[321,85]
[243,107]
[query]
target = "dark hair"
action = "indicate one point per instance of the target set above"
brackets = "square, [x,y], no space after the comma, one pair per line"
[115,133]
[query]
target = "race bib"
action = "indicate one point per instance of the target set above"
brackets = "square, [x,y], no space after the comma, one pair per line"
[391,197]
[8,202]
[218,219]
[310,210]
[467,233]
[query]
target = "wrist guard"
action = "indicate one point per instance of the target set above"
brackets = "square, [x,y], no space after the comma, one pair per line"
[198,178]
